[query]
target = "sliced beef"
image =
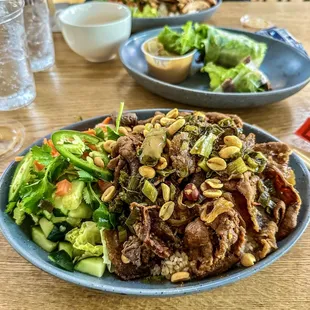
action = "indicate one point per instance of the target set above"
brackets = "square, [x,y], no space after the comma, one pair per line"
[249,141]
[215,117]
[217,246]
[288,194]
[124,271]
[143,231]
[182,160]
[248,188]
[126,147]
[116,164]
[198,178]
[136,251]
[267,239]
[128,119]
[276,151]
[279,210]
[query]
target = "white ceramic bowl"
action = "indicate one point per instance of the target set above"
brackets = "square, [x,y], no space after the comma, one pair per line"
[95,30]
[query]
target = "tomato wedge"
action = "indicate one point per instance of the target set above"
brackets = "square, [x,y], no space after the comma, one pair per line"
[63,187]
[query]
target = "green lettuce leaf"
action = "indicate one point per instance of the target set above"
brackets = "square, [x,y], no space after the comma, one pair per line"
[178,43]
[228,49]
[87,238]
[243,78]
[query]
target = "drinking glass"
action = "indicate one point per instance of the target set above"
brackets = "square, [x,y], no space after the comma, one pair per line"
[17,88]
[39,35]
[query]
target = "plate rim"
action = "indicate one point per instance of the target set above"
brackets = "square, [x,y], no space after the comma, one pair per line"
[207,92]
[156,291]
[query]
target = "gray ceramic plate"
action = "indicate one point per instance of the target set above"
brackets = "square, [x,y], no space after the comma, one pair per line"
[141,24]
[18,237]
[287,69]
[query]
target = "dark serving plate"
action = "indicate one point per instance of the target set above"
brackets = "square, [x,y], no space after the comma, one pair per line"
[287,68]
[141,24]
[19,238]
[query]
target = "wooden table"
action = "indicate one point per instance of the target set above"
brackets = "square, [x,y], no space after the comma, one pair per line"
[75,88]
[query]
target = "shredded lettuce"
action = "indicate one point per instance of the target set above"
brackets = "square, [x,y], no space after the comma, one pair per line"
[87,239]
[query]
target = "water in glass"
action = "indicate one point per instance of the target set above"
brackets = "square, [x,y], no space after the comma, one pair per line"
[39,34]
[17,88]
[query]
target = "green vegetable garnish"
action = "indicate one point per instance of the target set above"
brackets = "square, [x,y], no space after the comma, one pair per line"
[69,144]
[204,145]
[149,191]
[152,147]
[237,166]
[243,78]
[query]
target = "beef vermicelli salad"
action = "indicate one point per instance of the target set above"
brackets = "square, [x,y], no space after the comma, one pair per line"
[178,196]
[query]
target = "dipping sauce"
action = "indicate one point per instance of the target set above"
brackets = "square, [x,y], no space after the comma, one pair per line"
[166,66]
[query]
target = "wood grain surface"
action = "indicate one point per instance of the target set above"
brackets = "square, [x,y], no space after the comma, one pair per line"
[74,88]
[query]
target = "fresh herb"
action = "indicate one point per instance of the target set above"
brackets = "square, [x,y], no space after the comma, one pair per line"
[42,154]
[99,133]
[85,176]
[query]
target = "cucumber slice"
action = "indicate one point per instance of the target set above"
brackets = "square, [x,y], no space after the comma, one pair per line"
[20,176]
[39,238]
[47,214]
[77,252]
[56,220]
[46,226]
[74,222]
[93,266]
[59,231]
[66,246]
[62,259]
[84,211]
[59,209]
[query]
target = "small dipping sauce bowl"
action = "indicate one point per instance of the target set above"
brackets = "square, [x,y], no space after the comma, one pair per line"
[170,69]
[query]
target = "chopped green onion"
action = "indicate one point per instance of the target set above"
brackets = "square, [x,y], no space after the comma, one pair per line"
[119,117]
[203,164]
[237,167]
[122,234]
[172,191]
[133,216]
[217,130]
[204,145]
[256,161]
[226,122]
[149,191]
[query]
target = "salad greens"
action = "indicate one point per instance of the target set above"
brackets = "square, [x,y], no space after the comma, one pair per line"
[231,60]
[243,78]
[57,186]
[228,49]
[176,42]
[147,12]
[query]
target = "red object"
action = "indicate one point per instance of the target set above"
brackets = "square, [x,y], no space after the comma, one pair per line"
[49,142]
[63,187]
[92,147]
[38,166]
[90,131]
[304,131]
